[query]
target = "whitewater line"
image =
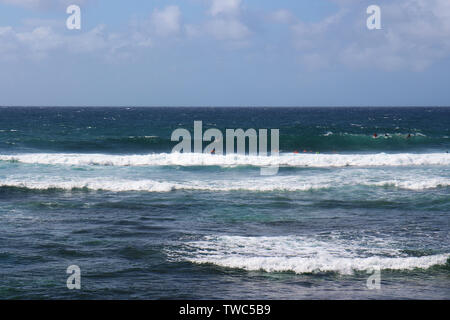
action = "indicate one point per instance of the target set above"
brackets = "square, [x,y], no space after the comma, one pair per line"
[196,159]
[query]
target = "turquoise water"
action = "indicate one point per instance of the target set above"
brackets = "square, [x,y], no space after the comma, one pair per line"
[100,188]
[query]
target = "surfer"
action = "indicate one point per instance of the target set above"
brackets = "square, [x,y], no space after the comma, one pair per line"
[213,151]
[409,136]
[375,135]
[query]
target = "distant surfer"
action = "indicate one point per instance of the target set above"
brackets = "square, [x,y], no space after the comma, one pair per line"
[375,135]
[213,151]
[409,136]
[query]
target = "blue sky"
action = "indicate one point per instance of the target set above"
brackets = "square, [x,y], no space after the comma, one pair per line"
[225,53]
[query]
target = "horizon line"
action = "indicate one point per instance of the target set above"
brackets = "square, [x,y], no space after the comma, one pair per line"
[222,106]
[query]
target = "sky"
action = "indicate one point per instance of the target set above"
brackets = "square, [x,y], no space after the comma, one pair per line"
[225,53]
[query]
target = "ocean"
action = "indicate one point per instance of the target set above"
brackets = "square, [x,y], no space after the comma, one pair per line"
[99,188]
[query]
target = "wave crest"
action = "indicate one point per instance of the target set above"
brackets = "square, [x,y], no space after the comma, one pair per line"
[286,184]
[303,254]
[193,159]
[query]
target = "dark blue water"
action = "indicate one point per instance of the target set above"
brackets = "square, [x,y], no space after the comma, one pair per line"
[100,188]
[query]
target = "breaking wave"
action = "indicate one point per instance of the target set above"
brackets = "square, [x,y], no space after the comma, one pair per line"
[193,159]
[155,186]
[286,184]
[303,254]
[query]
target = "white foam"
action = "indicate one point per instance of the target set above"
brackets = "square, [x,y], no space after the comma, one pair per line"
[418,184]
[92,184]
[257,184]
[303,254]
[193,159]
[121,185]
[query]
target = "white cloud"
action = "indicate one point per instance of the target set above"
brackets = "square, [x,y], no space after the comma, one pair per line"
[40,39]
[282,16]
[415,34]
[166,21]
[225,7]
[8,43]
[226,23]
[42,4]
[40,42]
[34,44]
[37,39]
[91,41]
[227,29]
